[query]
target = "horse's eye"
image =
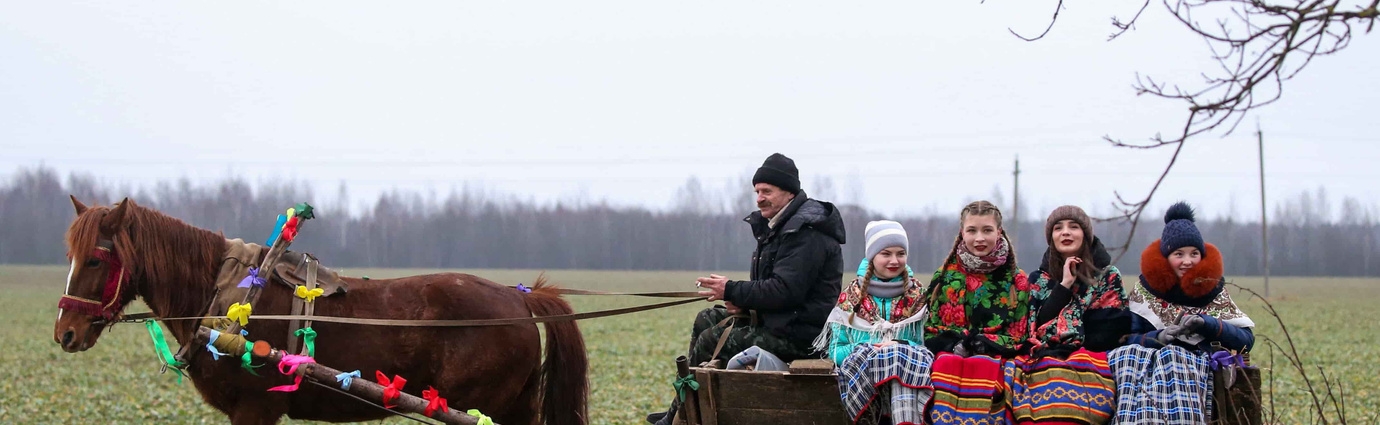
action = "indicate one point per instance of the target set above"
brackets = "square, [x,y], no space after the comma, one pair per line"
[92,263]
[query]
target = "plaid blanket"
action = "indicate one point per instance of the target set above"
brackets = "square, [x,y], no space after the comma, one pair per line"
[1168,386]
[892,380]
[969,391]
[1049,390]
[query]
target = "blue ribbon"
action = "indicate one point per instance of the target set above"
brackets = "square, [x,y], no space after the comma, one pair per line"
[277,228]
[346,378]
[524,288]
[215,354]
[252,280]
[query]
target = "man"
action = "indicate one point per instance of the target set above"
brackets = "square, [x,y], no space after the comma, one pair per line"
[796,276]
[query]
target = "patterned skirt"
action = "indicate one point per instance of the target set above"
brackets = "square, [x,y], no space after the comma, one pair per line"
[894,380]
[968,391]
[1049,390]
[1168,386]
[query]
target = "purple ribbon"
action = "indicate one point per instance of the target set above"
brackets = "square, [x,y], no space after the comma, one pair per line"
[524,288]
[252,280]
[1224,359]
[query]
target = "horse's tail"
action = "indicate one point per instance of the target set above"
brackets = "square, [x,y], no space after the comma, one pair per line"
[564,373]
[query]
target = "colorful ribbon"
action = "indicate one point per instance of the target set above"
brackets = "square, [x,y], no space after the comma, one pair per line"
[345,379]
[252,280]
[524,289]
[290,229]
[483,420]
[215,354]
[160,346]
[682,382]
[288,366]
[304,211]
[309,295]
[247,357]
[240,313]
[434,402]
[391,389]
[277,228]
[308,338]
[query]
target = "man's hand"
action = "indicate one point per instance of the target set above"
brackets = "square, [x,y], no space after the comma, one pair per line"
[732,309]
[712,286]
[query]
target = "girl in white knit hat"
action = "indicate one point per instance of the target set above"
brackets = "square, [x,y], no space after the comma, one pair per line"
[874,334]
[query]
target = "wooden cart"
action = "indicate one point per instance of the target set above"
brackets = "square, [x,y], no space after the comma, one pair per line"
[807,394]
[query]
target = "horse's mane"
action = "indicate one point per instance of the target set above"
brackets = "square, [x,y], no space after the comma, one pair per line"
[174,263]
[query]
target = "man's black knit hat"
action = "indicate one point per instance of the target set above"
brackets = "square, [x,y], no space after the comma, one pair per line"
[779,171]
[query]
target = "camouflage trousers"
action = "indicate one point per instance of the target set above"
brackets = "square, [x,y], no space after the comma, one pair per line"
[707,330]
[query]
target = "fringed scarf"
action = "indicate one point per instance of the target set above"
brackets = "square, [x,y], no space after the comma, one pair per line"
[1107,292]
[857,312]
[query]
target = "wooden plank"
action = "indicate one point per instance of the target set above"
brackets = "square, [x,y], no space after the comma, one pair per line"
[707,392]
[1240,404]
[772,391]
[812,367]
[781,417]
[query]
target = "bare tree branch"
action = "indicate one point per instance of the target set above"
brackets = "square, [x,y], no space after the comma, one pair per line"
[1122,27]
[1263,46]
[1052,20]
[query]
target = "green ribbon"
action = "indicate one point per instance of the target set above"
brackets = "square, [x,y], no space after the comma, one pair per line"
[160,346]
[685,381]
[244,359]
[483,420]
[309,338]
[304,211]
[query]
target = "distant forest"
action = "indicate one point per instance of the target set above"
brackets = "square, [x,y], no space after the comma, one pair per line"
[703,230]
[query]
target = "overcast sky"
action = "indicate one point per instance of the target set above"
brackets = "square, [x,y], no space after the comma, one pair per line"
[625,101]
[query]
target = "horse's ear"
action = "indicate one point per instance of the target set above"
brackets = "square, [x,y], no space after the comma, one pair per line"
[81,208]
[116,216]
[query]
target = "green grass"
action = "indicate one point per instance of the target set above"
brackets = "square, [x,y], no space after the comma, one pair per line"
[631,357]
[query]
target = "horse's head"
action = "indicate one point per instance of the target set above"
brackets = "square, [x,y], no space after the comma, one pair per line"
[98,282]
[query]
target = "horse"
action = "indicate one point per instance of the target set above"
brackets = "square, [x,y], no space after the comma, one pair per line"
[129,251]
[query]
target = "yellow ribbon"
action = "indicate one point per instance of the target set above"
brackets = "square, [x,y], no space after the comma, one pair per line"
[483,420]
[303,293]
[240,313]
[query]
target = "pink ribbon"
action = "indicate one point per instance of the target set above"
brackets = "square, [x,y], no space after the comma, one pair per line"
[288,366]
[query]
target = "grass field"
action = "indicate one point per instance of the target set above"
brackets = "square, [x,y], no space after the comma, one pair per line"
[1332,321]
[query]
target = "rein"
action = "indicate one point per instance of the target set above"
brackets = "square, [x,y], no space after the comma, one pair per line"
[689,298]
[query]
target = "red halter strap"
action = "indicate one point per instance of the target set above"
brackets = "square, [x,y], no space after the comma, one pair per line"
[112,295]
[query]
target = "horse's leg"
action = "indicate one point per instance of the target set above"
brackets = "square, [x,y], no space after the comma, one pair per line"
[525,407]
[257,411]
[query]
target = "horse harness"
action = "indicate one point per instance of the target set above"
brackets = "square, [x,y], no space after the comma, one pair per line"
[113,293]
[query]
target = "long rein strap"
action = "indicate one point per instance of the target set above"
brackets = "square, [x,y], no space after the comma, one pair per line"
[443,323]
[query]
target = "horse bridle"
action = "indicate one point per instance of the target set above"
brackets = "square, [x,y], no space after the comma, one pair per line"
[113,293]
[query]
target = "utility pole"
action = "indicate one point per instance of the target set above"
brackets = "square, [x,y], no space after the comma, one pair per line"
[1264,225]
[1016,198]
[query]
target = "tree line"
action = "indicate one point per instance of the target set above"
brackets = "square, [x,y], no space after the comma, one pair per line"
[470,228]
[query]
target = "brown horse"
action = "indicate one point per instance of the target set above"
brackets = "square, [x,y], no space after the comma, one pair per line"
[131,251]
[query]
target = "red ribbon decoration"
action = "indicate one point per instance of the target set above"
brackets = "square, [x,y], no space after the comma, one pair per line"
[290,229]
[391,389]
[434,402]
